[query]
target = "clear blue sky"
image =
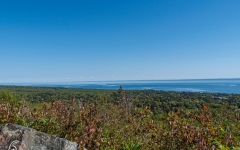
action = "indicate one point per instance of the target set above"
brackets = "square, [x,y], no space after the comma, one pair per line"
[76,40]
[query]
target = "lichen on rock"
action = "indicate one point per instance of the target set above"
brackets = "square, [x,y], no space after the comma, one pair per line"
[16,137]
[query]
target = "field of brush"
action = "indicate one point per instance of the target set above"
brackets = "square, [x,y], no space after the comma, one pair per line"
[126,119]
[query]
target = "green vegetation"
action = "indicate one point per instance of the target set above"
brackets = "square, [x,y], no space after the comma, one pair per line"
[126,120]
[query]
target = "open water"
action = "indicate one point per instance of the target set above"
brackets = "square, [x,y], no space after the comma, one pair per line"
[201,85]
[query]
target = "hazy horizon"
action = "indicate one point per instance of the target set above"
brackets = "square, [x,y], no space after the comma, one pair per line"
[116,81]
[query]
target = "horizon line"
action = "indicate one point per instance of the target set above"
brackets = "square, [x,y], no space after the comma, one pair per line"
[116,80]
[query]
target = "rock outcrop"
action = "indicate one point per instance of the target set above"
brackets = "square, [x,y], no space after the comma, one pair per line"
[16,137]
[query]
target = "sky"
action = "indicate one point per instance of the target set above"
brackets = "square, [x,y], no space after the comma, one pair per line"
[76,40]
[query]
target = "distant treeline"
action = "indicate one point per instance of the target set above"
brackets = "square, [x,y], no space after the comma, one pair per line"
[158,101]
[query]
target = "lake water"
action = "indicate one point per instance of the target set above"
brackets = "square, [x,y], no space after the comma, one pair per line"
[203,85]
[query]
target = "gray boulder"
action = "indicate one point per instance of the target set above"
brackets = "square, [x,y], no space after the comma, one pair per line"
[16,137]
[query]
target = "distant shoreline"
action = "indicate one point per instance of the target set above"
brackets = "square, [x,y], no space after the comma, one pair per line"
[229,86]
